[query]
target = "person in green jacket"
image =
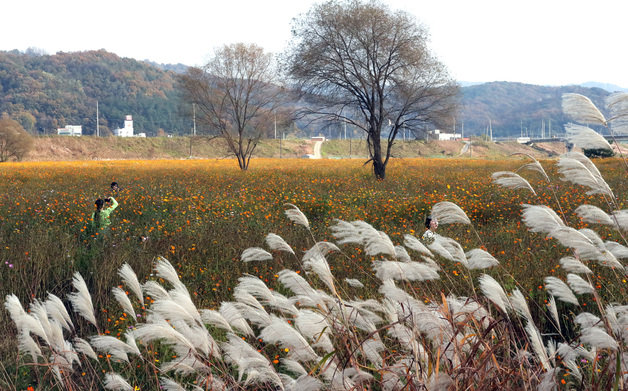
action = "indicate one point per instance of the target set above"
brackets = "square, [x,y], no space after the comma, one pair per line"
[100,217]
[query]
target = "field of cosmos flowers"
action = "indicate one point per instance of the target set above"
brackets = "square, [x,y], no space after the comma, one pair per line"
[202,214]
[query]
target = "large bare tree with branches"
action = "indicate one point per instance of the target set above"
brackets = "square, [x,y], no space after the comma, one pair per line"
[370,67]
[236,92]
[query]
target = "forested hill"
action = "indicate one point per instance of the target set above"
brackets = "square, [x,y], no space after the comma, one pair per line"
[45,92]
[516,107]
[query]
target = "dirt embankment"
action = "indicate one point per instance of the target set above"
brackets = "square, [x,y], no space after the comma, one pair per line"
[57,148]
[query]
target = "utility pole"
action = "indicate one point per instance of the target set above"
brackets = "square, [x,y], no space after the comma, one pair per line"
[97,124]
[275,125]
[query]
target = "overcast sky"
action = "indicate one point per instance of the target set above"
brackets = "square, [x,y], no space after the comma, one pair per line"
[553,42]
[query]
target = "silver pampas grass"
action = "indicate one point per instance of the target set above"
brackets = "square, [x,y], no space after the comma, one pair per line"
[572,265]
[276,243]
[560,290]
[480,259]
[581,109]
[124,301]
[81,299]
[295,215]
[494,292]
[593,215]
[511,180]
[255,254]
[447,213]
[404,271]
[130,279]
[579,285]
[577,168]
[115,382]
[586,138]
[540,218]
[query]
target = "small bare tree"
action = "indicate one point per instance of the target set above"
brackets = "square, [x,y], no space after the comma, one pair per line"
[15,143]
[235,92]
[370,67]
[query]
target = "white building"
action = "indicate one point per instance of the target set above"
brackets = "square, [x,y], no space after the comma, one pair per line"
[70,130]
[442,136]
[127,131]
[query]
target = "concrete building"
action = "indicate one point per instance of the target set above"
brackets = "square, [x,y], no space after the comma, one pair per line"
[70,130]
[127,130]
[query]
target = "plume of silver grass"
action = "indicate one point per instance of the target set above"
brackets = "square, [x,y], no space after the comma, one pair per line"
[560,290]
[162,331]
[402,254]
[586,138]
[320,249]
[305,294]
[587,320]
[379,243]
[315,327]
[37,310]
[511,180]
[210,382]
[256,315]
[124,301]
[232,315]
[347,232]
[260,291]
[115,382]
[281,333]
[448,213]
[431,263]
[463,306]
[574,369]
[439,381]
[572,265]
[354,283]
[415,244]
[480,259]
[317,264]
[598,338]
[618,250]
[57,311]
[593,215]
[155,290]
[199,337]
[25,323]
[295,215]
[171,310]
[553,309]
[81,299]
[570,353]
[579,285]
[255,254]
[185,365]
[540,218]
[577,168]
[130,279]
[170,385]
[548,380]
[534,166]
[293,366]
[118,349]
[611,315]
[250,362]
[346,314]
[302,383]
[397,295]
[26,344]
[82,346]
[622,218]
[359,232]
[181,296]
[520,304]
[371,348]
[276,243]
[215,319]
[617,105]
[578,241]
[448,248]
[368,309]
[494,292]
[537,345]
[404,271]
[581,109]
[164,269]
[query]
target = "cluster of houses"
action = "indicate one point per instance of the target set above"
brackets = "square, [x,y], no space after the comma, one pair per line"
[126,131]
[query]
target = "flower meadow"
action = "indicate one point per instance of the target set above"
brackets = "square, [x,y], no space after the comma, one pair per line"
[300,274]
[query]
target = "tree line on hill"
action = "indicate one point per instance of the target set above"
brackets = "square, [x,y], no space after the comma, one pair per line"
[46,92]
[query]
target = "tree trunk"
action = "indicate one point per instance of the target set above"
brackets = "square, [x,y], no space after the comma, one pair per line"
[379,167]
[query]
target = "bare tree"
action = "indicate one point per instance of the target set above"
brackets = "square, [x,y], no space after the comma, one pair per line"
[235,93]
[370,67]
[15,143]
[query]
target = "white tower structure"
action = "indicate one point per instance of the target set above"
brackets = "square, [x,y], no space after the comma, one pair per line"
[127,131]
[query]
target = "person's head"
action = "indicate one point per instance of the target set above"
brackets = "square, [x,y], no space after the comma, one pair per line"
[431,223]
[114,186]
[99,203]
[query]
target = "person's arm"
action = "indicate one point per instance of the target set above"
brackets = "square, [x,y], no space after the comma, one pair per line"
[114,204]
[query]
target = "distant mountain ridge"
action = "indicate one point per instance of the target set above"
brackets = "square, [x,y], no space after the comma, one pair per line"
[44,92]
